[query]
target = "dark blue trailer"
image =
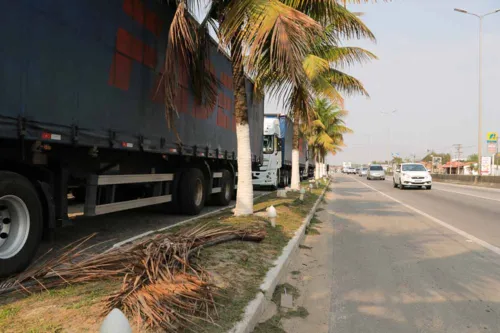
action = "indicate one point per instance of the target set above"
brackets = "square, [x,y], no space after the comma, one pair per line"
[80,112]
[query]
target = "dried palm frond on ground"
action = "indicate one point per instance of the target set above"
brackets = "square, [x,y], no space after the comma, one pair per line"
[160,287]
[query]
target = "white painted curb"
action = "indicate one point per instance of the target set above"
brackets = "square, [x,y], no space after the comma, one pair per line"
[256,307]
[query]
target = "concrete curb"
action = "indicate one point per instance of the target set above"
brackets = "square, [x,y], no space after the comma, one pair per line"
[256,307]
[216,211]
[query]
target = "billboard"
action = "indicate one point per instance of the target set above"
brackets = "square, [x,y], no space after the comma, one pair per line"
[486,165]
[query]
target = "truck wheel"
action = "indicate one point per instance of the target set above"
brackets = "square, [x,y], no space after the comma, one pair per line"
[223,198]
[192,192]
[20,223]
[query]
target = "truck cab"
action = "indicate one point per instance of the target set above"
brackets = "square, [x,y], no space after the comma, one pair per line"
[269,173]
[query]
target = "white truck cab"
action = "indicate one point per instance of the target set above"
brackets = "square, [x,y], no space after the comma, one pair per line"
[269,173]
[411,175]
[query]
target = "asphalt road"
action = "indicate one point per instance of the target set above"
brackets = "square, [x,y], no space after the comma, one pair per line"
[414,260]
[117,227]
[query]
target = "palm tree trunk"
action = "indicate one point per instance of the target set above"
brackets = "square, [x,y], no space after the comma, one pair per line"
[316,167]
[320,166]
[244,196]
[306,168]
[295,152]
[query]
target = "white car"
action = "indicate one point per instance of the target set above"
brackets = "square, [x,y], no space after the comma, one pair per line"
[375,171]
[411,175]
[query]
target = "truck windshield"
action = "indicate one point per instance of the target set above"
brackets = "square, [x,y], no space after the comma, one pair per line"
[268,147]
[414,167]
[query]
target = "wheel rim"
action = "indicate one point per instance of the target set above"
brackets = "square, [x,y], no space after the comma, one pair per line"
[227,191]
[198,195]
[14,225]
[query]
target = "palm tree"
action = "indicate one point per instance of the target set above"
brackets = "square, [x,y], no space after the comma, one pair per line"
[320,75]
[324,80]
[250,30]
[326,133]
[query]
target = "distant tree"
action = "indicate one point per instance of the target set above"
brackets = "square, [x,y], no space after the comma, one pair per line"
[472,158]
[445,157]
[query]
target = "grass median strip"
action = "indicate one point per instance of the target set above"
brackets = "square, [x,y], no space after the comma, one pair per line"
[235,269]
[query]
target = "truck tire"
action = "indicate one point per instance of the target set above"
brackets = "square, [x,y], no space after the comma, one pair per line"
[192,192]
[21,223]
[223,198]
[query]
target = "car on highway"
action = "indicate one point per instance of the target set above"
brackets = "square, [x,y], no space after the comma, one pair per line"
[412,175]
[363,171]
[351,171]
[375,171]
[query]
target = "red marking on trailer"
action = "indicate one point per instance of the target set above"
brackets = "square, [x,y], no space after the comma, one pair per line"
[51,136]
[119,75]
[144,16]
[127,145]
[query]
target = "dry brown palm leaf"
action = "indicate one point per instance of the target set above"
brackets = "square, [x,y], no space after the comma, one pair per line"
[160,287]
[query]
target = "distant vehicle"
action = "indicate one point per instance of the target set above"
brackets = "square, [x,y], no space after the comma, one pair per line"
[411,175]
[375,171]
[351,171]
[363,172]
[358,170]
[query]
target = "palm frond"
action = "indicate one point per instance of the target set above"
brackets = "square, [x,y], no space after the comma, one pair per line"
[346,56]
[344,82]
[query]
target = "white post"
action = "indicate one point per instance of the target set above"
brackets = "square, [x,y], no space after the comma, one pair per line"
[480,106]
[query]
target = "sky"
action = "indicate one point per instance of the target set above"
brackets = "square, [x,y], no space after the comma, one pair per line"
[428,71]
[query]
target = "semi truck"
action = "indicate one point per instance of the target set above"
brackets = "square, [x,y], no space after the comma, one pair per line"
[80,117]
[276,168]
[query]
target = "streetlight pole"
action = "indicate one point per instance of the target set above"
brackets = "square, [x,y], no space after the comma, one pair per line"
[480,103]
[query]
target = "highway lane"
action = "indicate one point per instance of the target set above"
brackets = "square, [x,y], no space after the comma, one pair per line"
[396,269]
[472,209]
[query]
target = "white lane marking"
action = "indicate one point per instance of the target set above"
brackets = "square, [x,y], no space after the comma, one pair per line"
[465,187]
[438,221]
[470,195]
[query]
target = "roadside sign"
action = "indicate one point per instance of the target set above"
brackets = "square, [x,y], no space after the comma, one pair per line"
[485,165]
[492,147]
[492,137]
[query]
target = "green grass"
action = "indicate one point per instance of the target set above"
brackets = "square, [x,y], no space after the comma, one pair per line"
[8,312]
[299,312]
[274,325]
[280,289]
[310,231]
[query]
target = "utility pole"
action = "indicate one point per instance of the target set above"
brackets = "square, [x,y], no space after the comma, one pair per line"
[480,102]
[458,147]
